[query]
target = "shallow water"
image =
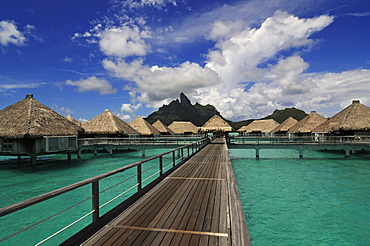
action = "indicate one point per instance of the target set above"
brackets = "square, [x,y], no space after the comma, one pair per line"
[322,199]
[53,172]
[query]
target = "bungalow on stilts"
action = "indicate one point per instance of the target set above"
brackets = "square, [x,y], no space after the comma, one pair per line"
[29,128]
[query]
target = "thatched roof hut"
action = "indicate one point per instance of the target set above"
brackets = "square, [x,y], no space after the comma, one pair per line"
[162,128]
[286,125]
[107,123]
[216,123]
[308,123]
[29,118]
[262,126]
[355,117]
[74,121]
[143,127]
[181,127]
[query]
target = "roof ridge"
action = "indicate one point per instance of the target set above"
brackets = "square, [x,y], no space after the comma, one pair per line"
[345,118]
[113,118]
[30,113]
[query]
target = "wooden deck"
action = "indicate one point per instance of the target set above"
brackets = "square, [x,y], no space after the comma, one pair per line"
[198,204]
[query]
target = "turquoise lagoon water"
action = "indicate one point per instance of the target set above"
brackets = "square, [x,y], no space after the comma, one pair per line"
[52,172]
[322,199]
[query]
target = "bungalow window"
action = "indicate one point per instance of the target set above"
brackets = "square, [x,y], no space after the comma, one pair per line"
[8,145]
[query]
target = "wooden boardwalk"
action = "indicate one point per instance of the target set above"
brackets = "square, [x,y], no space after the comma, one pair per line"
[198,204]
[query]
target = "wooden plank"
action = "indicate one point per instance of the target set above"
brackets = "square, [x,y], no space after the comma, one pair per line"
[196,213]
[192,212]
[190,207]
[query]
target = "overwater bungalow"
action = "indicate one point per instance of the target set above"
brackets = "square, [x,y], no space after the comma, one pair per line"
[305,126]
[107,124]
[259,127]
[284,127]
[143,127]
[29,128]
[162,128]
[216,124]
[183,127]
[353,120]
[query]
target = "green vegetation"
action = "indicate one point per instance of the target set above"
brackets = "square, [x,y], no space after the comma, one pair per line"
[282,115]
[183,110]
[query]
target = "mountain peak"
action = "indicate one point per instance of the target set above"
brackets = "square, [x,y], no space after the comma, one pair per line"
[183,110]
[185,102]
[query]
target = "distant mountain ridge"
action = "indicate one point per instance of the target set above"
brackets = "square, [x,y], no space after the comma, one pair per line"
[183,110]
[281,115]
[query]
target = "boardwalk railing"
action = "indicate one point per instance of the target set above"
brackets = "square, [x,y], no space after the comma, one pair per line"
[175,157]
[168,140]
[365,139]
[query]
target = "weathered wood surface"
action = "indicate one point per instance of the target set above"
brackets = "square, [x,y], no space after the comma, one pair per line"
[198,204]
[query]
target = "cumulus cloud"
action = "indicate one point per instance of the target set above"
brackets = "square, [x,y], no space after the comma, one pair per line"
[124,41]
[291,87]
[9,34]
[222,30]
[159,83]
[236,58]
[93,84]
[130,108]
[124,117]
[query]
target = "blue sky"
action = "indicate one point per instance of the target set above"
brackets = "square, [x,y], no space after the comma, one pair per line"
[247,58]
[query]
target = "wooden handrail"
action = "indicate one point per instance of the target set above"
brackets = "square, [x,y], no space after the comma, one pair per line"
[34,200]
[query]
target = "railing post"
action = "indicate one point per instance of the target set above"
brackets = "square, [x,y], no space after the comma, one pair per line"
[160,165]
[182,153]
[173,159]
[139,177]
[95,200]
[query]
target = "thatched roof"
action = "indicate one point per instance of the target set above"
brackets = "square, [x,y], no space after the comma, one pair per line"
[286,125]
[216,123]
[29,118]
[74,121]
[308,123]
[108,123]
[143,127]
[354,117]
[260,126]
[162,128]
[180,127]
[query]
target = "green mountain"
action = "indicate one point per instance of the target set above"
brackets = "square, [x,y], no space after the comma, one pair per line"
[238,124]
[282,115]
[183,110]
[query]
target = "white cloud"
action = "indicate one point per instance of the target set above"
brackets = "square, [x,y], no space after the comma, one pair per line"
[130,108]
[124,41]
[68,59]
[236,58]
[93,84]
[20,86]
[82,120]
[9,34]
[134,4]
[291,87]
[225,29]
[159,83]
[124,117]
[62,110]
